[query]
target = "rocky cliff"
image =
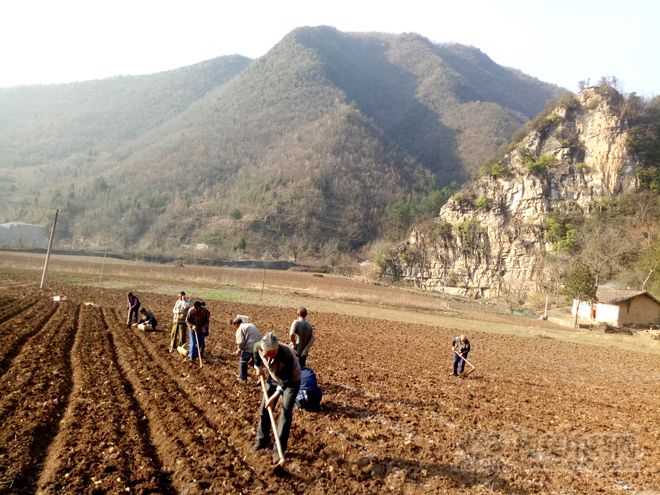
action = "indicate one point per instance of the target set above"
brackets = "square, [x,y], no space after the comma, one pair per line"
[491,237]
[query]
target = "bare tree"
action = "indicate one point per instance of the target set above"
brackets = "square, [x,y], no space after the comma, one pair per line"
[605,249]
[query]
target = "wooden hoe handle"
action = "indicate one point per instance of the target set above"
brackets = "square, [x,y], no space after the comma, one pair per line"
[199,351]
[172,336]
[468,362]
[272,422]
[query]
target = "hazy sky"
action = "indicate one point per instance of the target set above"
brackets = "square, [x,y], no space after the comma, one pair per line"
[558,41]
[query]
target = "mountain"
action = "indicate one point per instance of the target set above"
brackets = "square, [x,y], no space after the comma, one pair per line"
[575,189]
[43,124]
[299,152]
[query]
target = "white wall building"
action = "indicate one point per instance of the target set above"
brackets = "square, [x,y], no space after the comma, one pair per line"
[619,307]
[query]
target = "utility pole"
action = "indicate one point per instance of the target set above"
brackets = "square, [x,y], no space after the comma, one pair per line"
[50,245]
[103,264]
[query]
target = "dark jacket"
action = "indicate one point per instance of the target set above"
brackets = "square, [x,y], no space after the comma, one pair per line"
[149,318]
[200,318]
[461,347]
[133,302]
[309,396]
[283,368]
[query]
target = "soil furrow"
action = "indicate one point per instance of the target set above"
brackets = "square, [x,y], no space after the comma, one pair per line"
[230,406]
[190,446]
[118,458]
[33,397]
[23,325]
[12,307]
[539,415]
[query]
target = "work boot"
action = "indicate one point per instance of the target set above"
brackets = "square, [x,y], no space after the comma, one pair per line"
[453,374]
[260,445]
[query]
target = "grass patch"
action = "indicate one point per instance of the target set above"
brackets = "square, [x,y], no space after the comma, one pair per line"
[223,295]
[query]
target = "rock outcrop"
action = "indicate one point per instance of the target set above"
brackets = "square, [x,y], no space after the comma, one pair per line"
[490,238]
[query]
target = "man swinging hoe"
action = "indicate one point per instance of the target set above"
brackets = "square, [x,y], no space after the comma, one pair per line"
[277,361]
[461,348]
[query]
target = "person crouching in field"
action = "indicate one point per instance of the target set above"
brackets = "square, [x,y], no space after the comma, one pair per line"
[198,321]
[310,394]
[179,312]
[247,334]
[147,321]
[133,308]
[274,358]
[461,347]
[302,336]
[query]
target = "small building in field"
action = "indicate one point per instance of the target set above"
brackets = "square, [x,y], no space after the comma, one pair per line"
[620,307]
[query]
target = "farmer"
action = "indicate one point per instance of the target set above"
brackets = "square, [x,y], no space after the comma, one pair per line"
[133,308]
[147,320]
[247,334]
[302,336]
[309,396]
[274,358]
[179,313]
[461,347]
[198,320]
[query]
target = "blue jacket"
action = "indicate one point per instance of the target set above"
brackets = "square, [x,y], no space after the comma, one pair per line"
[309,395]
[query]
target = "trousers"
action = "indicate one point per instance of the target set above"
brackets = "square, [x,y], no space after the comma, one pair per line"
[286,415]
[458,361]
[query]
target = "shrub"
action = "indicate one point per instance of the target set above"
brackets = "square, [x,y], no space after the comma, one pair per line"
[538,165]
[469,232]
[441,230]
[482,202]
[649,177]
[498,170]
[452,280]
[546,123]
[212,238]
[462,199]
[241,244]
[236,214]
[561,230]
[569,101]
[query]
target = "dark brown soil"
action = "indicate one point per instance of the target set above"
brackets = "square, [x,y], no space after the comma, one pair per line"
[89,406]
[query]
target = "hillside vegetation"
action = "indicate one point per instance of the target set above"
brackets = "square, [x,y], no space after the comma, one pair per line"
[44,124]
[298,153]
[573,195]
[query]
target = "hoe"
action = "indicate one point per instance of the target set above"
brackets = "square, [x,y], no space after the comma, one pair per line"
[279,465]
[172,336]
[468,362]
[199,350]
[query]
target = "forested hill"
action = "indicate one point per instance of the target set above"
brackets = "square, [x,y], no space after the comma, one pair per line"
[301,152]
[46,123]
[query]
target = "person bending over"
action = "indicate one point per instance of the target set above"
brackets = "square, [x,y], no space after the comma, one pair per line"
[273,358]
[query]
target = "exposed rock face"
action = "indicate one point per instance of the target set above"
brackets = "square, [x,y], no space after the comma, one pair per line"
[490,237]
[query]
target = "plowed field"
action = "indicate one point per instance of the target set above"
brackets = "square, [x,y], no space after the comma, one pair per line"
[90,406]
